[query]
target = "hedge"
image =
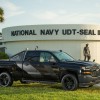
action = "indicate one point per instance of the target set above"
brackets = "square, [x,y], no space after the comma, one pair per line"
[3,55]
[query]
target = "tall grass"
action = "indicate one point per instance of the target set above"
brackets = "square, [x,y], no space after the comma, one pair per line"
[37,91]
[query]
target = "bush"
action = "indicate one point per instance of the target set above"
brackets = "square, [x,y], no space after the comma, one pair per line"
[3,55]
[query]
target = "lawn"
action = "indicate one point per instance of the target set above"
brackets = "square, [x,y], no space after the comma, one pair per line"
[38,91]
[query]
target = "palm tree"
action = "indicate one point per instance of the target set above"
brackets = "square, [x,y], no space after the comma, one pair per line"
[1,15]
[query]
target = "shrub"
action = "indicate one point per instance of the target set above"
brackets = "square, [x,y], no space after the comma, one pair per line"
[3,55]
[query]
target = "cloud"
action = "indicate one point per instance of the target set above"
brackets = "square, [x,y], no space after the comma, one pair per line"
[65,17]
[47,15]
[11,9]
[79,18]
[97,5]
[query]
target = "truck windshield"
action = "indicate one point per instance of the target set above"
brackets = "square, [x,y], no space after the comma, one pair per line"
[63,57]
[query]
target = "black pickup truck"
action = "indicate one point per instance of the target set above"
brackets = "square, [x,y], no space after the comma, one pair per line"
[49,66]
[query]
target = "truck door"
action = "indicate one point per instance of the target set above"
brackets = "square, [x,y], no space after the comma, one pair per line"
[40,67]
[31,69]
[48,66]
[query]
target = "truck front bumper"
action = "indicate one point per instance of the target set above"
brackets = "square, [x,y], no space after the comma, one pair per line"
[88,80]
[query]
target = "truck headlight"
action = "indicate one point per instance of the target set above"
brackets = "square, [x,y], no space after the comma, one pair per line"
[86,70]
[83,68]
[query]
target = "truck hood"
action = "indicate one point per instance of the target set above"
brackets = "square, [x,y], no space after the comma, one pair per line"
[80,63]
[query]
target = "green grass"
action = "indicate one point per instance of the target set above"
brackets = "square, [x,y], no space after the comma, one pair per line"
[37,91]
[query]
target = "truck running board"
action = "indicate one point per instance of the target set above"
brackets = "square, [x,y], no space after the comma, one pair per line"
[46,82]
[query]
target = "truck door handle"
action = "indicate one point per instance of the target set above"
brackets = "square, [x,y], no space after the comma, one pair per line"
[53,63]
[54,67]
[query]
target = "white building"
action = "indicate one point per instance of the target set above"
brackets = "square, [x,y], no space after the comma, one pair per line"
[70,38]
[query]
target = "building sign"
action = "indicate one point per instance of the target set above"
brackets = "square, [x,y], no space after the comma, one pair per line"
[23,32]
[51,32]
[55,32]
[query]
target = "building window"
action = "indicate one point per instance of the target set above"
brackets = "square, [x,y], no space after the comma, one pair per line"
[2,49]
[0,43]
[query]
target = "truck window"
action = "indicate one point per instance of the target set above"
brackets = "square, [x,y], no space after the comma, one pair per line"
[18,57]
[32,56]
[46,57]
[33,59]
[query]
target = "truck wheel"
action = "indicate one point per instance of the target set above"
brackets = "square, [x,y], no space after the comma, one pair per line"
[5,79]
[69,82]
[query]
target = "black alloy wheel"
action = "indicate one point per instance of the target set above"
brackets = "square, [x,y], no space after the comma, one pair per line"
[69,82]
[5,79]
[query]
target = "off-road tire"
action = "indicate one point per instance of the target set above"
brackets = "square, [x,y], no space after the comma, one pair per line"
[5,79]
[69,82]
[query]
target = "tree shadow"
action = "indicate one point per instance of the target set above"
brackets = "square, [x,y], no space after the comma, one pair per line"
[29,85]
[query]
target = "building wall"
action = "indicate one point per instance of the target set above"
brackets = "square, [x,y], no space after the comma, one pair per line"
[74,48]
[71,41]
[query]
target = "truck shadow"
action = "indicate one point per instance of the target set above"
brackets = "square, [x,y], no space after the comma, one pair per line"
[53,86]
[32,88]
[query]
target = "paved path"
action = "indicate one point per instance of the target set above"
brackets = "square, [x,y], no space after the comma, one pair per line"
[97,85]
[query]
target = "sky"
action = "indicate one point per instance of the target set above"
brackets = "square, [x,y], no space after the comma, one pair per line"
[37,12]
